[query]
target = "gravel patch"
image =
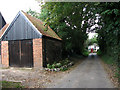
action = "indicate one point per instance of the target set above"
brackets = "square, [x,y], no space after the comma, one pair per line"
[34,78]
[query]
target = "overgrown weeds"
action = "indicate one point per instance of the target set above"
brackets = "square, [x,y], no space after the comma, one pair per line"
[61,65]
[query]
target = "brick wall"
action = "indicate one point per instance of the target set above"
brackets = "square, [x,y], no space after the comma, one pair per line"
[37,53]
[4,53]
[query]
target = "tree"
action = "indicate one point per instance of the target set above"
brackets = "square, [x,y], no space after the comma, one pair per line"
[109,33]
[110,28]
[33,13]
[70,21]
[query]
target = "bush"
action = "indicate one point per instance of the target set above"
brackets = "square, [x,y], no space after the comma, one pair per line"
[107,59]
[66,61]
[85,53]
[62,65]
[58,65]
[49,66]
[99,53]
[63,69]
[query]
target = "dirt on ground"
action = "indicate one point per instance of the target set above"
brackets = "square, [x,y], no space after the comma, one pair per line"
[34,78]
[111,69]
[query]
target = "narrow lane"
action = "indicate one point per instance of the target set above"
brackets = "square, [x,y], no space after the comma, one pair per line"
[89,74]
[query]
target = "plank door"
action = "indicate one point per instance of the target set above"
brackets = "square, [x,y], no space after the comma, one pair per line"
[21,53]
[14,59]
[26,53]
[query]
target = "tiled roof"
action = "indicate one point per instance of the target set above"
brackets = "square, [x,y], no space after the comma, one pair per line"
[3,29]
[39,25]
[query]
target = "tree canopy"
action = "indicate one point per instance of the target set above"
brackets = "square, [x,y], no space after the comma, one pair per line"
[71,21]
[108,34]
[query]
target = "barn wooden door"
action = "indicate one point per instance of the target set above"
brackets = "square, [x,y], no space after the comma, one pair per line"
[14,53]
[26,53]
[21,53]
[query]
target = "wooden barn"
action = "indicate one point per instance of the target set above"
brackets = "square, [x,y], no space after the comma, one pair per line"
[2,24]
[2,21]
[27,43]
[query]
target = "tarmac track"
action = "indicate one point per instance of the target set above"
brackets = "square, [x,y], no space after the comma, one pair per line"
[89,74]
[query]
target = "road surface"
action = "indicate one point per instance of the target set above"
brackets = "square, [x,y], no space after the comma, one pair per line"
[89,74]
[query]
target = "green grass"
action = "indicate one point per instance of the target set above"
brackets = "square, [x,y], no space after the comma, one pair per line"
[8,84]
[108,59]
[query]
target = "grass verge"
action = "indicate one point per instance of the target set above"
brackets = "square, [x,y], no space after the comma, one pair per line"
[107,59]
[112,69]
[9,84]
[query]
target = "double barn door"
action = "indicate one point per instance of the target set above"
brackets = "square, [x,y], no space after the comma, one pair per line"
[21,53]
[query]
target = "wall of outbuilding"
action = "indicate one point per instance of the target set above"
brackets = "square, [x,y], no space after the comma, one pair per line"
[37,53]
[52,50]
[45,50]
[20,29]
[2,21]
[4,54]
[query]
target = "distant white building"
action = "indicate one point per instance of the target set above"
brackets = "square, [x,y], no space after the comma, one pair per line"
[94,46]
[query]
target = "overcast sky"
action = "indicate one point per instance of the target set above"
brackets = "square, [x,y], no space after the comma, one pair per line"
[91,35]
[9,8]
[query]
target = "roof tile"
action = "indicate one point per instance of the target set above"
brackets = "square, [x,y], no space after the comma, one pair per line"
[3,29]
[39,25]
